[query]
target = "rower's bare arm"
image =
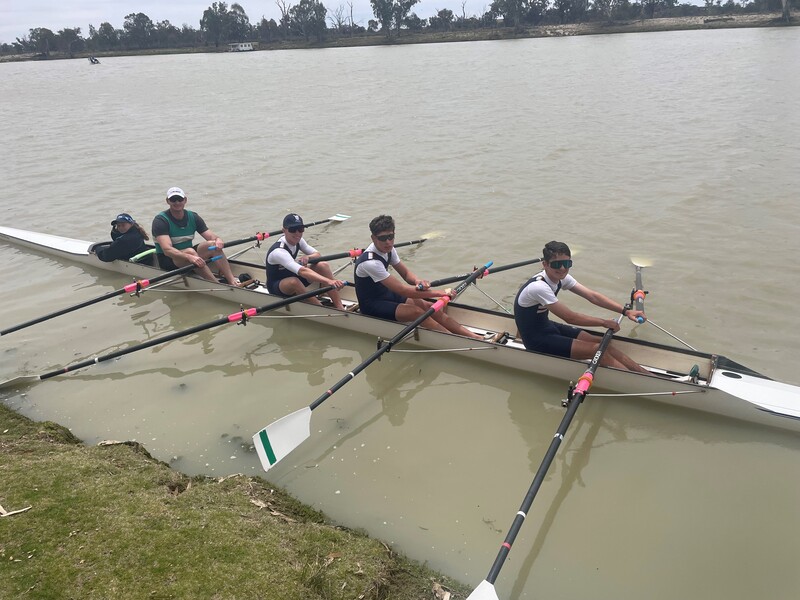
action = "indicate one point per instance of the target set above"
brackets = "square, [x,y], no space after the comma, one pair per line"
[566,314]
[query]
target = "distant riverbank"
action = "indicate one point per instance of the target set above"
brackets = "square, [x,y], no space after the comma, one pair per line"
[499,33]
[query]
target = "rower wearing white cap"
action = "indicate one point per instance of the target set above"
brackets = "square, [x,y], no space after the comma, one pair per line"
[173,232]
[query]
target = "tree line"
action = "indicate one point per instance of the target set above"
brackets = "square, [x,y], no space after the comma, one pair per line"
[311,21]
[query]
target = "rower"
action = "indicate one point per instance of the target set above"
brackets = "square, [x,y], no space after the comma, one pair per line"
[289,274]
[537,298]
[383,295]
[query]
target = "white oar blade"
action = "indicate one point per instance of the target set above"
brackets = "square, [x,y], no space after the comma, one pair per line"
[18,381]
[277,439]
[485,591]
[638,261]
[339,217]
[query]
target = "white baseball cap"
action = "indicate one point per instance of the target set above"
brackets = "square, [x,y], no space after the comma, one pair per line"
[175,191]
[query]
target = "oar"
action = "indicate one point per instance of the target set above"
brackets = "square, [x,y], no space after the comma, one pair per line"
[354,253]
[240,317]
[446,280]
[486,591]
[132,288]
[278,439]
[337,218]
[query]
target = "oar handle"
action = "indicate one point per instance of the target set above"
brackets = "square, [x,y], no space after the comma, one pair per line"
[581,389]
[446,280]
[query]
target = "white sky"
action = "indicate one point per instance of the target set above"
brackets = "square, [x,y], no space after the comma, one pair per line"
[18,17]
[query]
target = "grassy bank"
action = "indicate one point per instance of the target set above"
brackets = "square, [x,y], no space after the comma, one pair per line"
[112,522]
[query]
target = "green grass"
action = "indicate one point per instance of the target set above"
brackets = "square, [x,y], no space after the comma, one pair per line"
[112,522]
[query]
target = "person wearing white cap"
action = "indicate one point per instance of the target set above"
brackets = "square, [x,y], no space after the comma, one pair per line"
[127,237]
[174,230]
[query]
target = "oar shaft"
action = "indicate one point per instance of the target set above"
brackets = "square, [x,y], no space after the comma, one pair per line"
[446,280]
[130,288]
[356,252]
[584,383]
[232,318]
[262,236]
[438,305]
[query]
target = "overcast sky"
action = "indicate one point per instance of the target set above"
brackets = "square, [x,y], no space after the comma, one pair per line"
[18,17]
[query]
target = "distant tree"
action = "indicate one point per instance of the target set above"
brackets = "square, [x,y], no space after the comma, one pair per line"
[70,40]
[308,19]
[442,20]
[139,30]
[338,19]
[239,28]
[267,30]
[414,23]
[40,40]
[166,35]
[511,11]
[214,23]
[284,7]
[785,15]
[391,14]
[104,37]
[373,26]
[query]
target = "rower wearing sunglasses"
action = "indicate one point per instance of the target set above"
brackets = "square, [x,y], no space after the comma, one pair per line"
[174,230]
[289,274]
[537,298]
[380,294]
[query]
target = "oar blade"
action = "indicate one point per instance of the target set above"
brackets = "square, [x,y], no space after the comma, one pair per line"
[19,381]
[485,591]
[642,262]
[278,439]
[339,217]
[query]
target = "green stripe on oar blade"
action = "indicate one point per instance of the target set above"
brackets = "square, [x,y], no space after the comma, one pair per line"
[277,439]
[485,591]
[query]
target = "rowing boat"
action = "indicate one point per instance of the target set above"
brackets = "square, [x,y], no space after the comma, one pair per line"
[722,387]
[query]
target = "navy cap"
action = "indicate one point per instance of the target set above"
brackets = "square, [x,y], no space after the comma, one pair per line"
[292,220]
[123,218]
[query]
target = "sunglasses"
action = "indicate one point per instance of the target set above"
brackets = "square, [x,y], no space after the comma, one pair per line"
[385,238]
[295,229]
[176,199]
[557,264]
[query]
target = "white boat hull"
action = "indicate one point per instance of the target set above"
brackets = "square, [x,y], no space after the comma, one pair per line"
[724,388]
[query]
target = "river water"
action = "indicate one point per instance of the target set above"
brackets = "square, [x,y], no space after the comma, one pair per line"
[679,148]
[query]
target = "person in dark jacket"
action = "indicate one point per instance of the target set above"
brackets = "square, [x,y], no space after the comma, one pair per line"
[127,237]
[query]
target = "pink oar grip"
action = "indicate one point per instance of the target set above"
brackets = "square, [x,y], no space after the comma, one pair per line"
[250,312]
[132,287]
[584,383]
[440,303]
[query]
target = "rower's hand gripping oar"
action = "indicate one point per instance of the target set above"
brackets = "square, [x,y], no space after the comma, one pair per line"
[485,590]
[240,318]
[132,288]
[279,438]
[448,280]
